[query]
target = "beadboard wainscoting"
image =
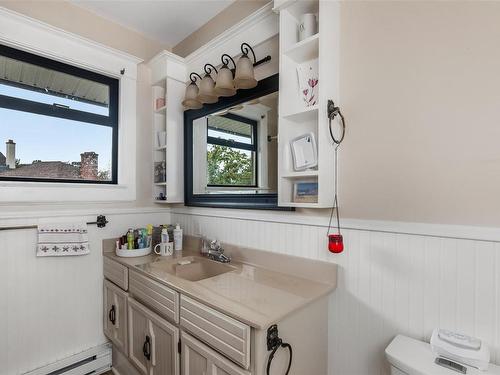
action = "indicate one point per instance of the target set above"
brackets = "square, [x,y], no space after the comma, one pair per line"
[388,283]
[51,308]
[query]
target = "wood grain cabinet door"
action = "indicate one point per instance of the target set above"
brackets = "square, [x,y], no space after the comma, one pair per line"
[199,359]
[152,342]
[115,316]
[165,338]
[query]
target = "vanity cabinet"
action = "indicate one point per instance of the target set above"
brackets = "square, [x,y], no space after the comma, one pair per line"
[115,316]
[153,342]
[199,359]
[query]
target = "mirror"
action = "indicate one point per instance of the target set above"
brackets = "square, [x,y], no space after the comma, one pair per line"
[231,150]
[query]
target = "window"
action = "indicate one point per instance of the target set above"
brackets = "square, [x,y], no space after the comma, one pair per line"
[231,151]
[58,123]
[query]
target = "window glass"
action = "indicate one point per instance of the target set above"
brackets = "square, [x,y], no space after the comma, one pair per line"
[58,123]
[229,166]
[45,147]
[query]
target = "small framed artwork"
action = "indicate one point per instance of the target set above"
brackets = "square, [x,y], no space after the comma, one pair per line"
[305,191]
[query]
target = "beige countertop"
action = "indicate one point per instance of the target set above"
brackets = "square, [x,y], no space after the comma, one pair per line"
[263,288]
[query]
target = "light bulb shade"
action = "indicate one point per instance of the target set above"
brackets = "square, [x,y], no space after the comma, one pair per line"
[244,77]
[225,85]
[207,93]
[191,97]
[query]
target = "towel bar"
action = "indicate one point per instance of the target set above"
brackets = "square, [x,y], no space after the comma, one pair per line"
[100,222]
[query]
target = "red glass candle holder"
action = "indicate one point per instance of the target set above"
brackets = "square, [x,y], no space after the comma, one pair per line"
[335,243]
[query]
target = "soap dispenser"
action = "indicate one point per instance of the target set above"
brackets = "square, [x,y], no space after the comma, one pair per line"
[177,237]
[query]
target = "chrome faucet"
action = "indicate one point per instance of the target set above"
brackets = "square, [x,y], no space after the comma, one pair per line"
[213,249]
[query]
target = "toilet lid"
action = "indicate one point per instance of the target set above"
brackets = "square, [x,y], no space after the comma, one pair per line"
[416,358]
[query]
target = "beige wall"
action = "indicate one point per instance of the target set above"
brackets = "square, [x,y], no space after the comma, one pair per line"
[420,91]
[228,17]
[72,18]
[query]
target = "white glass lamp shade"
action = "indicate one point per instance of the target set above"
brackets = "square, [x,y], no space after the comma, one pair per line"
[207,93]
[191,97]
[225,85]
[244,77]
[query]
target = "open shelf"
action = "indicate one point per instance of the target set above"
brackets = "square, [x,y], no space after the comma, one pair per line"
[301,174]
[304,114]
[160,183]
[305,50]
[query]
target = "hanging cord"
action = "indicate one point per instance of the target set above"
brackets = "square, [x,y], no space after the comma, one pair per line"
[274,342]
[333,111]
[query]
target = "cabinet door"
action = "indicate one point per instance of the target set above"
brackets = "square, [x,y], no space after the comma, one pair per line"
[152,342]
[115,316]
[165,338]
[139,337]
[199,359]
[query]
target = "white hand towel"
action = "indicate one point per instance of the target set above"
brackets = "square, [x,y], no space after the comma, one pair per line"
[62,239]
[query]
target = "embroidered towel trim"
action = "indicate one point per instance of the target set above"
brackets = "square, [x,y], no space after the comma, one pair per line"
[62,239]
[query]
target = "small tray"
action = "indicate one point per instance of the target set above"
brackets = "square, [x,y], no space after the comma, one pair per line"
[133,252]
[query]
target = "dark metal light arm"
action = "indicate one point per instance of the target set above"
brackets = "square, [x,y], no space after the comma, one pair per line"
[225,58]
[245,48]
[208,68]
[193,76]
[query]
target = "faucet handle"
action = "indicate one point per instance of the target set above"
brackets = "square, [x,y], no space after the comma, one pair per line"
[217,246]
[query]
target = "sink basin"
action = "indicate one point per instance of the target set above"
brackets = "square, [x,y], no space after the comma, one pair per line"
[189,268]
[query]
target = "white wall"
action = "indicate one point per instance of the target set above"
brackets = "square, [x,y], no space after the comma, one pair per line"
[388,283]
[51,308]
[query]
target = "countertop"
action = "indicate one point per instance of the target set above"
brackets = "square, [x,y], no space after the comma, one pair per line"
[263,288]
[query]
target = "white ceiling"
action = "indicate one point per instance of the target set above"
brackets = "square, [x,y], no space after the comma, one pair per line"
[167,21]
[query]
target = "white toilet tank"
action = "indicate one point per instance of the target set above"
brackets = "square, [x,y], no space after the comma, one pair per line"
[408,356]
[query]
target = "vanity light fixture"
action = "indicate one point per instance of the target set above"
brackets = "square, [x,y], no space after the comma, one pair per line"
[225,83]
[228,80]
[191,97]
[244,77]
[207,85]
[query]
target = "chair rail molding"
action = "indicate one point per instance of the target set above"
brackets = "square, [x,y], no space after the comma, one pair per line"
[463,232]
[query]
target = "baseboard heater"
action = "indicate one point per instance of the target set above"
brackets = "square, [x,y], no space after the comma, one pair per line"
[93,361]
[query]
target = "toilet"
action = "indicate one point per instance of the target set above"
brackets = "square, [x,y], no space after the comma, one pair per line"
[408,356]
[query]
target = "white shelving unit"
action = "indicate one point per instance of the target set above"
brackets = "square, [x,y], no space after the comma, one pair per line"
[295,118]
[168,76]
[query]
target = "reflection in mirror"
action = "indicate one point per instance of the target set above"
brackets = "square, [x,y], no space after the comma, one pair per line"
[235,149]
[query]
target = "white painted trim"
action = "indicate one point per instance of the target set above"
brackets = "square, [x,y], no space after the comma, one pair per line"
[254,29]
[167,55]
[294,218]
[10,18]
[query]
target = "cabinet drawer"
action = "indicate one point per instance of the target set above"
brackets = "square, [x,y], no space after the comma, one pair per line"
[227,335]
[116,273]
[162,299]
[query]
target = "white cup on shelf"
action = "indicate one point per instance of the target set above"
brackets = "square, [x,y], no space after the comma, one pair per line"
[308,26]
[164,249]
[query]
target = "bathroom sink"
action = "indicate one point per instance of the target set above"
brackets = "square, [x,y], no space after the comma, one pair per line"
[189,268]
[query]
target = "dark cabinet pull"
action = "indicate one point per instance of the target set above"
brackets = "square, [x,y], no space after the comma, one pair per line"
[146,348]
[112,314]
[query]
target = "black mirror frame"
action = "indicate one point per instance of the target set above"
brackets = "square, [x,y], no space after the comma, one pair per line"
[240,201]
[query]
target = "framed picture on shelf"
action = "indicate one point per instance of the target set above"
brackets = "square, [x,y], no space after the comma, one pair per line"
[160,172]
[305,191]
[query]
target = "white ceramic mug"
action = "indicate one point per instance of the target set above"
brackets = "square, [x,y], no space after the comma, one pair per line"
[308,26]
[165,249]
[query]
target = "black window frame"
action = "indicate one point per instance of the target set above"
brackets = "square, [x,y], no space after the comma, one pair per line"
[63,112]
[240,146]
